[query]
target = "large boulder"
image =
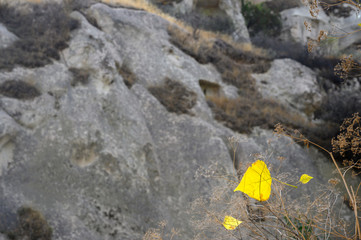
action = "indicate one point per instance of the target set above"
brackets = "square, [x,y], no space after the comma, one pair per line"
[293,84]
[294,29]
[293,24]
[141,34]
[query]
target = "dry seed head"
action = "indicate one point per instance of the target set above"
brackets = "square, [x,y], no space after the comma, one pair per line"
[279,129]
[311,44]
[322,36]
[307,25]
[345,66]
[152,234]
[333,181]
[280,158]
[313,8]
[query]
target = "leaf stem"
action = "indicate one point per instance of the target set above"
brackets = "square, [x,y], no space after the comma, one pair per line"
[285,183]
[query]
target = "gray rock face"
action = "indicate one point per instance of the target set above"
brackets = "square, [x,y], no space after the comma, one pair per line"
[102,160]
[233,10]
[293,84]
[293,28]
[141,34]
[6,38]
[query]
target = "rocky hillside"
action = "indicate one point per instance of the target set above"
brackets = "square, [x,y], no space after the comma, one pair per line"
[116,117]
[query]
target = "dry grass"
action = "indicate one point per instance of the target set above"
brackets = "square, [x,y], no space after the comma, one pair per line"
[311,216]
[203,34]
[246,112]
[235,64]
[43,31]
[31,226]
[174,96]
[348,141]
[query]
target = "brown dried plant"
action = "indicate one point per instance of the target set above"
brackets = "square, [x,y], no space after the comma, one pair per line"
[346,66]
[280,217]
[349,140]
[159,233]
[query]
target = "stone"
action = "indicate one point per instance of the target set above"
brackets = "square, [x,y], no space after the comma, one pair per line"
[183,7]
[293,29]
[233,10]
[294,85]
[6,38]
[293,24]
[144,34]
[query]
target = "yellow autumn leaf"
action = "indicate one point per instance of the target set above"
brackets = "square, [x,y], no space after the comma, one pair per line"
[359,24]
[305,178]
[256,182]
[230,223]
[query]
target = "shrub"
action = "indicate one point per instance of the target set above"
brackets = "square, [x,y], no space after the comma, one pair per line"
[19,90]
[230,60]
[32,226]
[248,111]
[259,18]
[333,7]
[215,22]
[43,31]
[174,96]
[281,49]
[339,105]
[269,212]
[279,5]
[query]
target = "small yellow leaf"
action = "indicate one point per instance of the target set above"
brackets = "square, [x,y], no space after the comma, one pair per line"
[359,24]
[256,182]
[305,178]
[231,223]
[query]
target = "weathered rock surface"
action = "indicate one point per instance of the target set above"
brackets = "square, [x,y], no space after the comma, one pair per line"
[293,24]
[293,28]
[221,8]
[293,84]
[103,160]
[148,37]
[6,38]
[233,10]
